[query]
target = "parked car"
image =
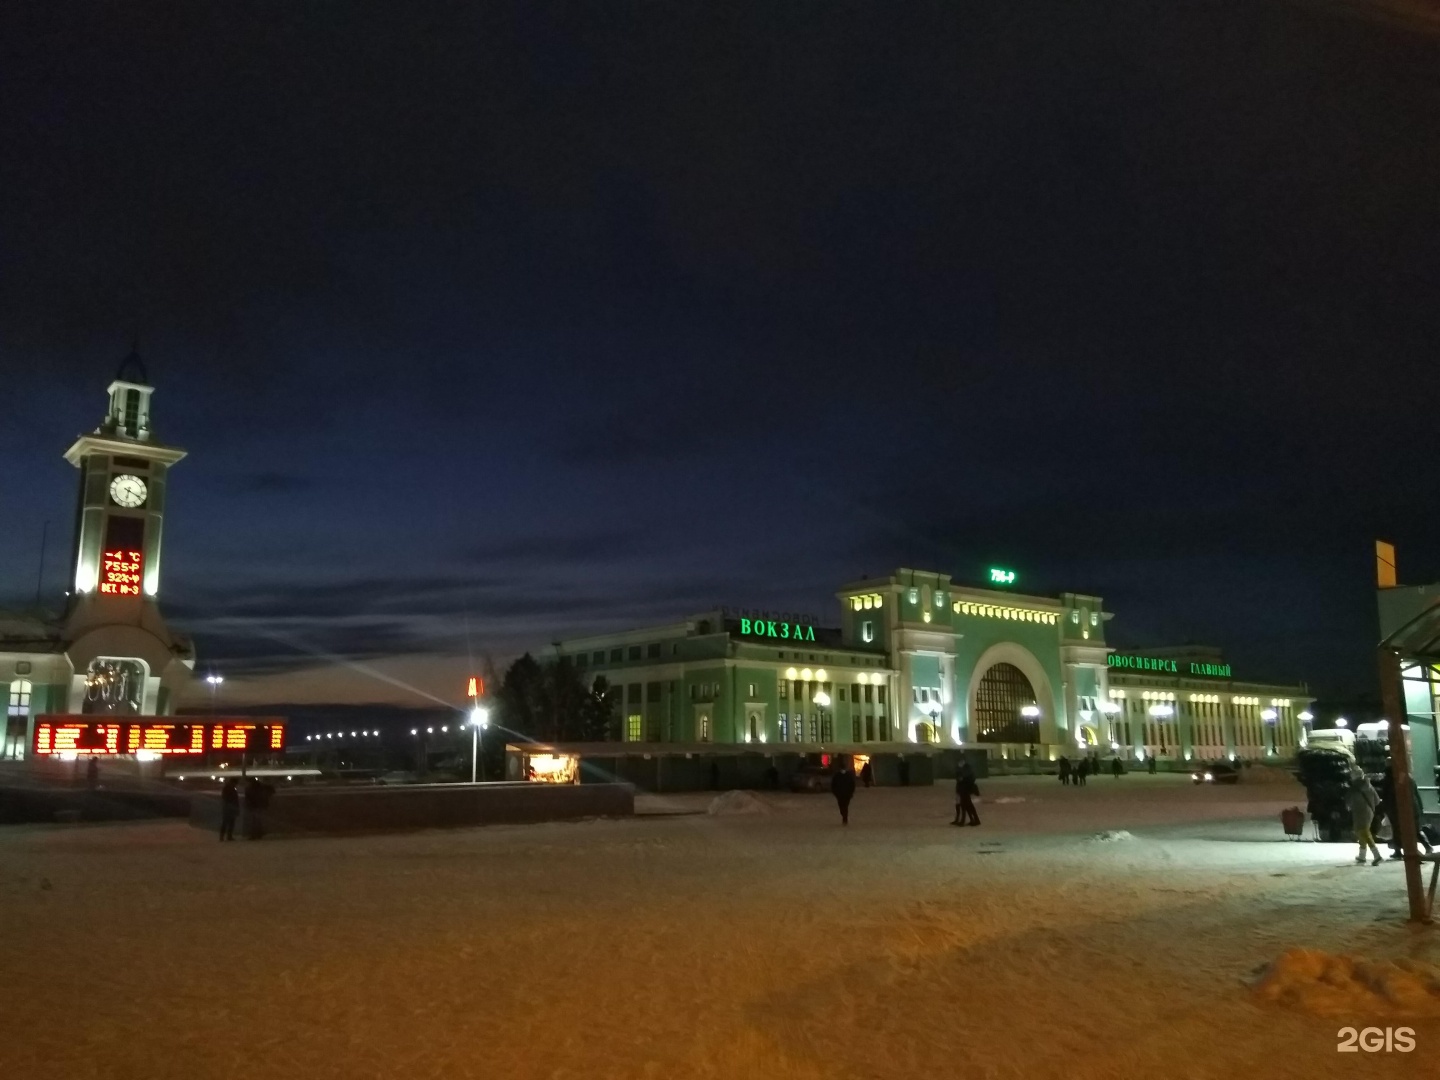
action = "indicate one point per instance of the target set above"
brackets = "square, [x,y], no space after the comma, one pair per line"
[1219,772]
[811,779]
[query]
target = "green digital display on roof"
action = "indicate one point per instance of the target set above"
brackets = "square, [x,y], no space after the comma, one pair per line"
[1001,576]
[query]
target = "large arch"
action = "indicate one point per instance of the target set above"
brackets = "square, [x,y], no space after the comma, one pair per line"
[1009,652]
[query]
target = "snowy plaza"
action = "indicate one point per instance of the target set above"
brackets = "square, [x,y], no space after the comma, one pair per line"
[1108,931]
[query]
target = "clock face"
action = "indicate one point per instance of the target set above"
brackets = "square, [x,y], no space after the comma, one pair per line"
[128,491]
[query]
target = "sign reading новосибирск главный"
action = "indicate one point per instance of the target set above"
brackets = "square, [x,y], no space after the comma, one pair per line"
[775,628]
[1164,666]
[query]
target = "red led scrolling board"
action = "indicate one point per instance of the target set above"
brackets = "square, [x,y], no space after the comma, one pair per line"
[87,736]
[121,570]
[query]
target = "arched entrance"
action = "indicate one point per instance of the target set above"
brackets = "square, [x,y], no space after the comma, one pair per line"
[1005,709]
[925,732]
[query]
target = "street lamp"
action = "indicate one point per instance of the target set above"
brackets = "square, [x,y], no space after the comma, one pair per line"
[934,712]
[214,681]
[479,718]
[1030,712]
[1162,713]
[1270,716]
[1305,717]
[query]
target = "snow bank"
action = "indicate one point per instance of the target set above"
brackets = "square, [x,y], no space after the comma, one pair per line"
[1005,799]
[736,802]
[1330,985]
[1110,836]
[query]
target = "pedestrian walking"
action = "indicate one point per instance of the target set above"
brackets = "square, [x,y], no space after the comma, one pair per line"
[867,774]
[229,808]
[965,791]
[253,798]
[1115,767]
[1362,799]
[1082,771]
[1064,770]
[842,786]
[1150,765]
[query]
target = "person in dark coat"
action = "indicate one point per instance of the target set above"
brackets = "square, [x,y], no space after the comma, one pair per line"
[1389,802]
[1064,770]
[229,808]
[842,786]
[1115,767]
[1081,771]
[867,774]
[1151,765]
[965,791]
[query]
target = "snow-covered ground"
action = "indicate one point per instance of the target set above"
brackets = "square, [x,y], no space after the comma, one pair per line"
[686,944]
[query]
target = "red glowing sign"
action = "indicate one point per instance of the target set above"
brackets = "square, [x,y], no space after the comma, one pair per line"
[83,736]
[476,687]
[120,571]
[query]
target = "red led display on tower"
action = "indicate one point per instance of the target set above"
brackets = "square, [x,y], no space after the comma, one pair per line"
[121,570]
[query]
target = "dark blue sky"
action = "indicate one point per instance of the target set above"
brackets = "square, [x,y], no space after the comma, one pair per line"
[552,317]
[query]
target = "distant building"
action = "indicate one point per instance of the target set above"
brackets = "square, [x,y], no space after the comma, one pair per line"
[110,653]
[920,659]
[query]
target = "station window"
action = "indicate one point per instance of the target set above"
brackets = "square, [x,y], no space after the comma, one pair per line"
[633,693]
[884,729]
[879,695]
[784,689]
[653,651]
[634,652]
[582,661]
[827,730]
[652,691]
[784,722]
[914,595]
[869,729]
[704,728]
[632,727]
[598,658]
[867,630]
[751,691]
[855,729]
[842,693]
[814,729]
[869,693]
[616,655]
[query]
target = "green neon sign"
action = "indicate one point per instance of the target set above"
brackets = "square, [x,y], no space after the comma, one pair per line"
[1000,576]
[1131,662]
[779,629]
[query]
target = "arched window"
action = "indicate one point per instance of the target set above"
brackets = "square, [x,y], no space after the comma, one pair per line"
[1001,694]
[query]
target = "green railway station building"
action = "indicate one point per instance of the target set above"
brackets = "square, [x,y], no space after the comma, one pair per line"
[921,663]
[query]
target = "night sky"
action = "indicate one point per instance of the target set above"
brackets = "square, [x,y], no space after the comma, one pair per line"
[490,324]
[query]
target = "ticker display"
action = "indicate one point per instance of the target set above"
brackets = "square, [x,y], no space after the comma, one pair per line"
[87,736]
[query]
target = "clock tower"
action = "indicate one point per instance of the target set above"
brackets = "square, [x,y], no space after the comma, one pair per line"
[120,518]
[124,657]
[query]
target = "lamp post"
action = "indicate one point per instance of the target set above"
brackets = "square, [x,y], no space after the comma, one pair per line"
[1030,712]
[1162,713]
[822,702]
[479,718]
[934,713]
[1270,716]
[1305,717]
[1110,709]
[214,681]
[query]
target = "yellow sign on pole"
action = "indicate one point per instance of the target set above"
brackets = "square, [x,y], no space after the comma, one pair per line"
[1384,565]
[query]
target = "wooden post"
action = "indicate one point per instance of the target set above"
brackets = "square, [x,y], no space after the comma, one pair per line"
[1405,825]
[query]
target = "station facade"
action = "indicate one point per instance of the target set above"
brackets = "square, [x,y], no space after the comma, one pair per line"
[110,653]
[921,660]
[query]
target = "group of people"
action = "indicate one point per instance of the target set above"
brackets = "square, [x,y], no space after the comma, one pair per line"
[842,786]
[1368,808]
[256,798]
[1088,765]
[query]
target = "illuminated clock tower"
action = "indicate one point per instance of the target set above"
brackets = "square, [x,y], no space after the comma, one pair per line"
[121,650]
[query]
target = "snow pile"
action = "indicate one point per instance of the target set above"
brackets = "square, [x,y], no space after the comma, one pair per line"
[1330,985]
[1110,836]
[1266,774]
[736,802]
[1008,799]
